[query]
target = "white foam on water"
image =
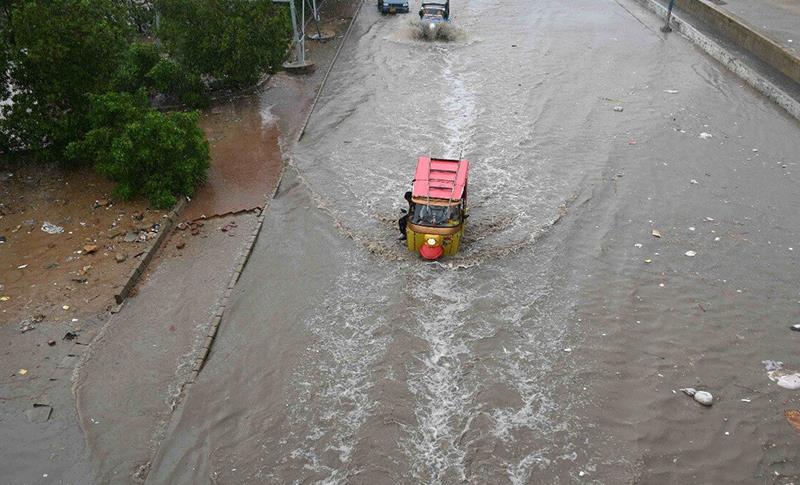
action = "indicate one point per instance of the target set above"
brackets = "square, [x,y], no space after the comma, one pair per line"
[333,387]
[443,398]
[267,117]
[520,473]
[460,108]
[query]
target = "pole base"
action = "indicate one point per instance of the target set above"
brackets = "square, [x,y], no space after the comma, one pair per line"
[326,35]
[296,67]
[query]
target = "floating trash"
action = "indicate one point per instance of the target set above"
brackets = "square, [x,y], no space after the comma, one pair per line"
[50,228]
[703,397]
[785,379]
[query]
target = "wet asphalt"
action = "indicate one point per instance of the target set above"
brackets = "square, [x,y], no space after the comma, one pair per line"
[553,348]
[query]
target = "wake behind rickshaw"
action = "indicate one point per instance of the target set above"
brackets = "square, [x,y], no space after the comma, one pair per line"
[438,207]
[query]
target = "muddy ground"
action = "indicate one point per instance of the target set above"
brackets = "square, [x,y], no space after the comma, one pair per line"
[94,241]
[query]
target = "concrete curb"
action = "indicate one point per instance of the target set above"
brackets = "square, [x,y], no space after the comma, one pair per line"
[745,35]
[712,48]
[244,256]
[141,266]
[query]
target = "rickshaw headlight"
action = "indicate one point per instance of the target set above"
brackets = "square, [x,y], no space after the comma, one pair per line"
[431,242]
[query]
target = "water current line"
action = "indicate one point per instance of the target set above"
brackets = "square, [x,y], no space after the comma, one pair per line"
[334,388]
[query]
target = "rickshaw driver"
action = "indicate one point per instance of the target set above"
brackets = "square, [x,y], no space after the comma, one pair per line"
[404,219]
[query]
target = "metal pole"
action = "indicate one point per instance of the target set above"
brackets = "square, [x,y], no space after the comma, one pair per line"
[298,49]
[666,28]
[316,18]
[303,33]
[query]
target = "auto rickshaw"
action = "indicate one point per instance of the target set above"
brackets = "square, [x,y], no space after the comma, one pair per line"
[438,207]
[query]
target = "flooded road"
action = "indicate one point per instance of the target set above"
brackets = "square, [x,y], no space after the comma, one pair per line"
[549,350]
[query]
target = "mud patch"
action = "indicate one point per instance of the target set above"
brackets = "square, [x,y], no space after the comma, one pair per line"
[68,244]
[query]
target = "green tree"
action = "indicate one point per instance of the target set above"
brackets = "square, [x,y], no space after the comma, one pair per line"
[232,40]
[57,52]
[148,153]
[186,87]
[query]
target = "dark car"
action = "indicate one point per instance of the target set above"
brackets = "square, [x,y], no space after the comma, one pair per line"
[393,6]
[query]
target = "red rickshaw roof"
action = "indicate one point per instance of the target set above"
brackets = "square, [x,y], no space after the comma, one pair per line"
[440,178]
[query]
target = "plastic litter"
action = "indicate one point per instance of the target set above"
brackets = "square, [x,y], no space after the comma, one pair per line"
[690,254]
[703,397]
[50,228]
[785,379]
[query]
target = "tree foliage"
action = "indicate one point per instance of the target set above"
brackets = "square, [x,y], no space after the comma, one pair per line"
[57,51]
[231,40]
[148,153]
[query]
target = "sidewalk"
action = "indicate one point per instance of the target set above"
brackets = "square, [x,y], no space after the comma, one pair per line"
[760,29]
[778,20]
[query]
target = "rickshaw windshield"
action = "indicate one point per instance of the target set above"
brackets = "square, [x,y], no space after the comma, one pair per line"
[436,215]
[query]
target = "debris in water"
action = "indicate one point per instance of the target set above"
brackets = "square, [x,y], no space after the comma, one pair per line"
[5,298]
[180,244]
[703,397]
[90,248]
[22,266]
[51,228]
[65,307]
[793,417]
[671,91]
[120,257]
[648,261]
[70,336]
[694,182]
[618,109]
[656,233]
[39,413]
[795,327]
[705,136]
[690,254]
[785,379]
[22,372]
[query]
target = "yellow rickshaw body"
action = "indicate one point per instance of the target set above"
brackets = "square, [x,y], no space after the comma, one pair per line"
[450,237]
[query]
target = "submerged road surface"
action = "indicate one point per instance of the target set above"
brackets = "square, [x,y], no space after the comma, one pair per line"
[553,348]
